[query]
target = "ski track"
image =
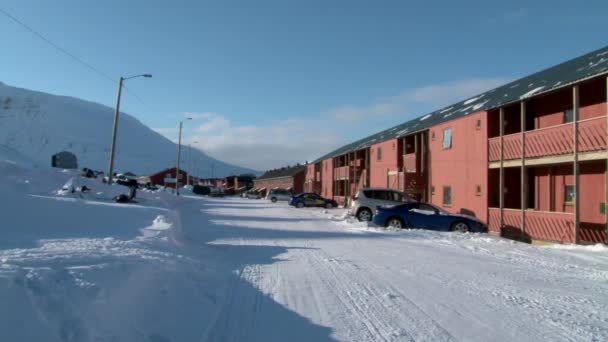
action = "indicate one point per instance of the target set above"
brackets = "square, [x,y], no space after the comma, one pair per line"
[365,296]
[255,271]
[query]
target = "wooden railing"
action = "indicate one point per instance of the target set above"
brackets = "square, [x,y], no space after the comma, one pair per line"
[494,220]
[341,172]
[539,225]
[409,162]
[551,226]
[549,141]
[592,135]
[494,149]
[552,141]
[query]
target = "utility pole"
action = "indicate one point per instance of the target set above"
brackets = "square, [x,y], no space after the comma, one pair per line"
[114,129]
[179,151]
[115,125]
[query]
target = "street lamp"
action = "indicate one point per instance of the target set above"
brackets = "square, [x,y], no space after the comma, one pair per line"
[115,126]
[179,151]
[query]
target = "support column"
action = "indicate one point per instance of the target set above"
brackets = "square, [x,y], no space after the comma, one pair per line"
[606,181]
[355,173]
[501,178]
[524,178]
[577,209]
[423,142]
[368,172]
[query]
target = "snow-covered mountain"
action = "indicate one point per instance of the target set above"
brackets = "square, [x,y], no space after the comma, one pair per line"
[39,125]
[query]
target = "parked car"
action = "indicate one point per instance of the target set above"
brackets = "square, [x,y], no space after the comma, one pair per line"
[201,189]
[367,199]
[309,199]
[251,194]
[426,216]
[278,195]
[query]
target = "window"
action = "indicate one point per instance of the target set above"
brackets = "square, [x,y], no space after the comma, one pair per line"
[447,195]
[427,207]
[397,197]
[381,195]
[379,154]
[432,190]
[478,190]
[478,124]
[569,194]
[568,115]
[433,135]
[447,138]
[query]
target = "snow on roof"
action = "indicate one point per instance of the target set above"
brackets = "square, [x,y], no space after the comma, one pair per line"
[583,67]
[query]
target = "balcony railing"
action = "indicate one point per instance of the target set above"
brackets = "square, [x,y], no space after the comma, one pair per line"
[540,225]
[592,135]
[552,141]
[409,162]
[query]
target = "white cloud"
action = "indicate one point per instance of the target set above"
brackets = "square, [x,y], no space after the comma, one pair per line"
[262,147]
[286,142]
[435,96]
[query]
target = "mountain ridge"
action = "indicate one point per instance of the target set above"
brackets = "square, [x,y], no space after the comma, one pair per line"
[38,125]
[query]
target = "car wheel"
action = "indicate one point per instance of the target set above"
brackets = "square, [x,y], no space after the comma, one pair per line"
[300,205]
[328,206]
[273,200]
[460,226]
[364,214]
[395,222]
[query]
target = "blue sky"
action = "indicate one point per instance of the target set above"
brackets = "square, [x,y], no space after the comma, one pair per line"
[277,82]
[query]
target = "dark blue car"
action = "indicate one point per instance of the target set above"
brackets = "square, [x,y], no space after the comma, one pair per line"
[426,216]
[309,199]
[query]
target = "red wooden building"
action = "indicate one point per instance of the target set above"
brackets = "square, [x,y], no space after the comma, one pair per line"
[529,157]
[290,178]
[166,178]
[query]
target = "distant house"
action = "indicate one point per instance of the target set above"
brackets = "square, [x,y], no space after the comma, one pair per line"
[238,184]
[166,178]
[291,178]
[64,160]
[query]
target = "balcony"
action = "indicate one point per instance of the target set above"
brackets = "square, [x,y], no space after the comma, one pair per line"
[552,141]
[341,172]
[540,225]
[409,162]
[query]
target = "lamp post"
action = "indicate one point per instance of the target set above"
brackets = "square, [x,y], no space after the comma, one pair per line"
[115,126]
[179,151]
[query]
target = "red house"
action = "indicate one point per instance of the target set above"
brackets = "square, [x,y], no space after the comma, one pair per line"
[290,178]
[166,178]
[529,157]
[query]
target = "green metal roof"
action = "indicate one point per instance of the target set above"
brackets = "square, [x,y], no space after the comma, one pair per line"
[587,66]
[283,172]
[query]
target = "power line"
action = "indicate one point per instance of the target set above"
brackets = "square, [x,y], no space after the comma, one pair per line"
[71,55]
[74,57]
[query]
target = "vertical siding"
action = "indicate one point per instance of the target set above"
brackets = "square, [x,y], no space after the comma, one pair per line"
[390,160]
[327,167]
[463,166]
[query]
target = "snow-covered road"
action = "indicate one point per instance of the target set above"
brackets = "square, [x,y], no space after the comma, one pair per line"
[358,284]
[79,268]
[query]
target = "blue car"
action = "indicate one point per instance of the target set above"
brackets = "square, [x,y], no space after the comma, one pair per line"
[426,216]
[309,199]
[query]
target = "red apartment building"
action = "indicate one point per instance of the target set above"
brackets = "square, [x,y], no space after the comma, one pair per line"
[529,157]
[291,178]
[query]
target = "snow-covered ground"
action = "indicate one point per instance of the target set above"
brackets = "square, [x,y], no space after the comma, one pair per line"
[77,267]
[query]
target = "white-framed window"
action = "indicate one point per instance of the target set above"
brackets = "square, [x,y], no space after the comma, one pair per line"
[568,115]
[447,195]
[447,138]
[569,194]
